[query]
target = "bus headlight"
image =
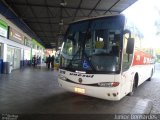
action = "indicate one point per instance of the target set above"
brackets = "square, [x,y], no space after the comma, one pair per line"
[62,77]
[108,84]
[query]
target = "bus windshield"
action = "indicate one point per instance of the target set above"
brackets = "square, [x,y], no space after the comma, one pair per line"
[94,45]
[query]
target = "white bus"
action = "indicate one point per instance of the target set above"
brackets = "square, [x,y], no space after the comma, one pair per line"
[100,58]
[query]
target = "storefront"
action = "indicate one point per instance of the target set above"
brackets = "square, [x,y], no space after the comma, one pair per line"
[37,50]
[14,56]
[3,33]
[27,52]
[16,47]
[13,52]
[3,28]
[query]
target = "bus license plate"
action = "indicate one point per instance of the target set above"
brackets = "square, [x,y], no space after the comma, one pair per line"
[79,90]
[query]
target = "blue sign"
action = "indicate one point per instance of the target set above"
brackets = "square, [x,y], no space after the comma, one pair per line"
[85,64]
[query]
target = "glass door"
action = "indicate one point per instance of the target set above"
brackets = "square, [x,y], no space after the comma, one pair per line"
[14,56]
[17,57]
[10,55]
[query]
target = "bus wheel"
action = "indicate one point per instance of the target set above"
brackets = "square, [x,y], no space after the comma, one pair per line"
[135,84]
[149,79]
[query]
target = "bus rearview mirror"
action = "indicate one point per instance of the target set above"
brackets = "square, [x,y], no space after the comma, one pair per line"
[130,46]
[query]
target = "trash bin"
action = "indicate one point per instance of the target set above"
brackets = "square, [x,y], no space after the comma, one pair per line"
[10,67]
[1,65]
[7,67]
[21,64]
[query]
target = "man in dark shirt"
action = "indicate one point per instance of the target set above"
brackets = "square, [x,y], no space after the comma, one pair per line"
[49,61]
[52,62]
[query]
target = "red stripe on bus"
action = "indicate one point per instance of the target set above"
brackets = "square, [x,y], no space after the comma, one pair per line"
[141,58]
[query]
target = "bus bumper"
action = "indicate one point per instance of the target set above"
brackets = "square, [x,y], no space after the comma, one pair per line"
[98,92]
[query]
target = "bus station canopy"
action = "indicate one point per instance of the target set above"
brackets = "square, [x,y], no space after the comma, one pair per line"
[48,19]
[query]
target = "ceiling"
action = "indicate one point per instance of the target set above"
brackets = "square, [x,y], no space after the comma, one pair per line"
[49,19]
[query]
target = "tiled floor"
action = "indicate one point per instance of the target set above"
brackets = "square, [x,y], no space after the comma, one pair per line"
[23,88]
[32,90]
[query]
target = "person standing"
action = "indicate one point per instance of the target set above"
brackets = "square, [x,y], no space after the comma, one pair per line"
[52,62]
[34,60]
[49,61]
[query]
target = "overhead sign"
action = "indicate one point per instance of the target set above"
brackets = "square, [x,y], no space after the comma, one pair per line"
[3,28]
[16,36]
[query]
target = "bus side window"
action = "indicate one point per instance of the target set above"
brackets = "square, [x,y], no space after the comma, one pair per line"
[126,62]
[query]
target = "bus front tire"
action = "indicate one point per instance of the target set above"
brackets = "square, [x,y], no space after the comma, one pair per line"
[134,86]
[133,89]
[149,79]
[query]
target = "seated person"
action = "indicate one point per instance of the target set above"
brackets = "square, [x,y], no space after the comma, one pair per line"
[115,50]
[99,47]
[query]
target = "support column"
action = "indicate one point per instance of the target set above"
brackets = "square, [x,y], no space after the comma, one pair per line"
[4,52]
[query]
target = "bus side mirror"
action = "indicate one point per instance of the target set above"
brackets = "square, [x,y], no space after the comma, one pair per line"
[130,46]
